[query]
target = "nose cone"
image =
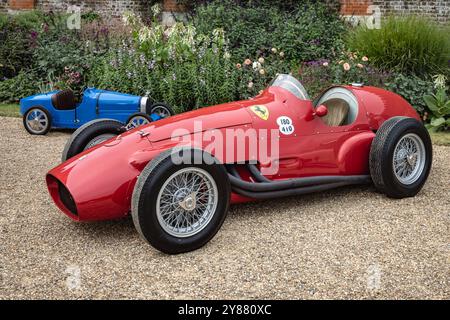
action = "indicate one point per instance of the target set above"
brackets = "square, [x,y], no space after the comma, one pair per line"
[97,184]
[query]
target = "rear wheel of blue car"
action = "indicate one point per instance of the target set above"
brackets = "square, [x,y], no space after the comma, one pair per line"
[178,206]
[37,121]
[91,134]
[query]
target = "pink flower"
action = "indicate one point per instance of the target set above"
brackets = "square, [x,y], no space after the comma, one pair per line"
[238,65]
[247,62]
[346,66]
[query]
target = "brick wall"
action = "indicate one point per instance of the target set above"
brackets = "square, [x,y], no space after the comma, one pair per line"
[3,5]
[436,9]
[113,8]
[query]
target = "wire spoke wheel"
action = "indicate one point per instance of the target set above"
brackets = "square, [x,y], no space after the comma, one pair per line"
[409,159]
[187,202]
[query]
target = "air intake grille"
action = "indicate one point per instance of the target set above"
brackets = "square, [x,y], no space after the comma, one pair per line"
[66,198]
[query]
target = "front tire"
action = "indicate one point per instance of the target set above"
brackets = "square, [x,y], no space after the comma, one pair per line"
[37,121]
[90,135]
[163,110]
[180,207]
[400,157]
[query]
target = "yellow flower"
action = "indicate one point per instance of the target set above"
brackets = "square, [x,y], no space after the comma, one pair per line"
[346,66]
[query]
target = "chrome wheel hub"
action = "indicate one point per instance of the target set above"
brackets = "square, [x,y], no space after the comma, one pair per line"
[186,202]
[138,121]
[409,158]
[37,121]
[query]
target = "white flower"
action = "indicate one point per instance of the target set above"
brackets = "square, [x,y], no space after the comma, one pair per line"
[439,81]
[261,60]
[325,64]
[281,54]
[256,65]
[262,72]
[227,55]
[274,50]
[250,85]
[156,9]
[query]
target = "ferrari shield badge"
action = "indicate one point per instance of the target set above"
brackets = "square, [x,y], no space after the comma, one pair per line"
[261,111]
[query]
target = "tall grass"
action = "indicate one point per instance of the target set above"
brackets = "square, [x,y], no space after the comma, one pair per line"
[409,44]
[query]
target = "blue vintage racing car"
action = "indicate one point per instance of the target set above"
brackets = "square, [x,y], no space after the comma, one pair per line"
[60,109]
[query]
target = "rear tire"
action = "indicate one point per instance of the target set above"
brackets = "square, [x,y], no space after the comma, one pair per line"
[90,135]
[400,157]
[139,119]
[186,215]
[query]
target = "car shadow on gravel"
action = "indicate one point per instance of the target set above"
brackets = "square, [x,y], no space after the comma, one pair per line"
[124,228]
[271,207]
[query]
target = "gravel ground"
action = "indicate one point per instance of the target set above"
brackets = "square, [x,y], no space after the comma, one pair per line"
[346,243]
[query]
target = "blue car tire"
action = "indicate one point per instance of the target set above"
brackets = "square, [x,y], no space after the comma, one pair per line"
[37,121]
[163,110]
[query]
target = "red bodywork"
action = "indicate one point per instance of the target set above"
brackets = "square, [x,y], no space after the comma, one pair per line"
[101,180]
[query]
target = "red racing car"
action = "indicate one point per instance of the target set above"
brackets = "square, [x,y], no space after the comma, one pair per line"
[177,176]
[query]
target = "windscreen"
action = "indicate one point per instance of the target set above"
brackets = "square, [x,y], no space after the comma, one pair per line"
[291,84]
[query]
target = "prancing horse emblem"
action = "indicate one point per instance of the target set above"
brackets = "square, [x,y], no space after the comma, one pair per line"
[261,111]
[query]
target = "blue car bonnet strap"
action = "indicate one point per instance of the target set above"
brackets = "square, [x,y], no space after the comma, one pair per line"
[97,104]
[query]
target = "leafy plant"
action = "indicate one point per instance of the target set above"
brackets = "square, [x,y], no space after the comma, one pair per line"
[347,68]
[24,84]
[173,64]
[439,106]
[408,45]
[412,88]
[16,38]
[304,30]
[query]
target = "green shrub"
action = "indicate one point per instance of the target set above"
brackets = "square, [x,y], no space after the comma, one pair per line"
[409,45]
[439,105]
[17,38]
[182,67]
[318,75]
[26,83]
[412,88]
[176,65]
[309,31]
